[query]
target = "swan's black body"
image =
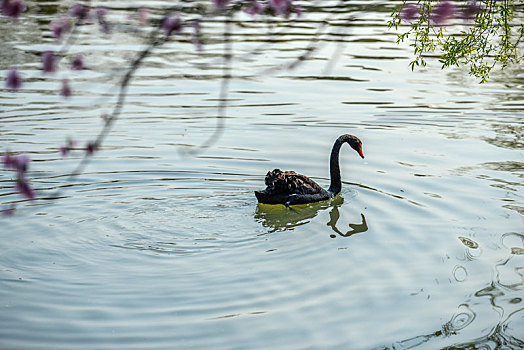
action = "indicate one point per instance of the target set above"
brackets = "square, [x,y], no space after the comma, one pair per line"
[288,187]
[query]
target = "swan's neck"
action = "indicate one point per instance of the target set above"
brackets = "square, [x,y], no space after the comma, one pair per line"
[334,168]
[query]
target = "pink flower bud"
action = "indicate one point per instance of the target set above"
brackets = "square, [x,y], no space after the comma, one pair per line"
[78,62]
[79,11]
[13,8]
[409,12]
[256,8]
[91,147]
[60,27]
[172,23]
[66,90]
[23,187]
[14,79]
[444,11]
[48,62]
[281,7]
[220,4]
[8,161]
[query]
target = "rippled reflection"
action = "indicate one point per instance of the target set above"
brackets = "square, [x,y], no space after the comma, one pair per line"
[498,337]
[151,250]
[280,218]
[505,303]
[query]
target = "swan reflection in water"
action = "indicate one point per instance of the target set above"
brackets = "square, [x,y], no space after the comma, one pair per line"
[281,218]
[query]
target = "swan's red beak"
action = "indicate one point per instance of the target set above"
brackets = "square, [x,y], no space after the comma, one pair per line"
[360,152]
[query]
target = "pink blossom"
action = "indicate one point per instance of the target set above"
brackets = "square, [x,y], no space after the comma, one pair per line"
[13,8]
[60,27]
[172,23]
[64,151]
[256,8]
[24,188]
[8,161]
[471,9]
[100,15]
[91,147]
[79,11]
[48,62]
[444,11]
[66,90]
[14,79]
[21,164]
[70,144]
[409,12]
[78,62]
[220,4]
[281,7]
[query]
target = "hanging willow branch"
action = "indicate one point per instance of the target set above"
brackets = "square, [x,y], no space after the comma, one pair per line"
[476,34]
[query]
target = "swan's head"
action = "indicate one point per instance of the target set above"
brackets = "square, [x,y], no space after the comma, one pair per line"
[354,142]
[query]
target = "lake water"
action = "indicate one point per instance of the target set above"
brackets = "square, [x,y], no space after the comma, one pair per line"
[424,247]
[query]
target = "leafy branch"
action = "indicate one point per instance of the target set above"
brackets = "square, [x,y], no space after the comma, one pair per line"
[476,34]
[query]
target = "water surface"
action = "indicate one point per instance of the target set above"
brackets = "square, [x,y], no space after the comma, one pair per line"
[149,249]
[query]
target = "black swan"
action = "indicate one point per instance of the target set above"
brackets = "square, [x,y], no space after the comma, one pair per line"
[288,187]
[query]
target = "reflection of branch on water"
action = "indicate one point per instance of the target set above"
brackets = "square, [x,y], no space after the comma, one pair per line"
[496,339]
[224,88]
[503,299]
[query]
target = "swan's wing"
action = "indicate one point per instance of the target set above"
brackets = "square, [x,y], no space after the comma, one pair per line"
[289,182]
[302,184]
[276,181]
